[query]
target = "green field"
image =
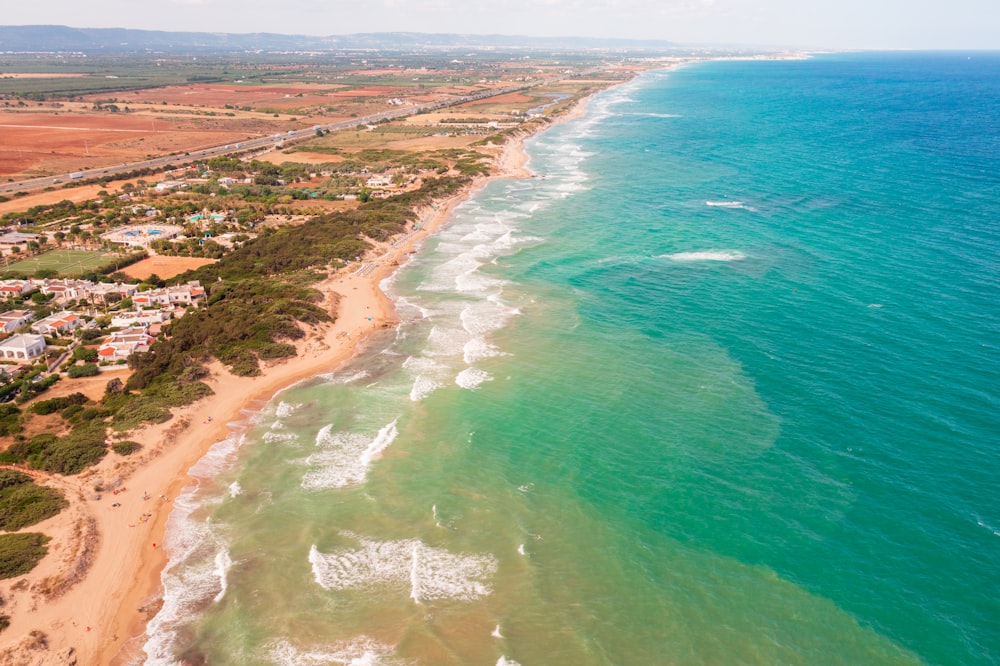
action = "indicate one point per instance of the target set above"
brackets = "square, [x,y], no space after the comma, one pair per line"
[70,263]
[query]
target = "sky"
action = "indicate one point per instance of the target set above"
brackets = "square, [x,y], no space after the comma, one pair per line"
[840,24]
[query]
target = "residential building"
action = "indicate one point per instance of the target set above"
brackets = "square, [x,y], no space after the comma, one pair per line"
[22,348]
[119,346]
[186,294]
[59,323]
[12,320]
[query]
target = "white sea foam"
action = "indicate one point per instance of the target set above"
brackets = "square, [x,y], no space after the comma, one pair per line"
[362,651]
[272,436]
[284,409]
[195,576]
[729,255]
[220,457]
[223,563]
[477,349]
[409,566]
[496,632]
[520,549]
[471,378]
[338,378]
[235,489]
[504,661]
[344,458]
[423,387]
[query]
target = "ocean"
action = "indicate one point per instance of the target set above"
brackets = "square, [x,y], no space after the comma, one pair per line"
[719,385]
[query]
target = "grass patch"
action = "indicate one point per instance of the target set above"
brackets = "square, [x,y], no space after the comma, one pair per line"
[65,262]
[22,503]
[20,553]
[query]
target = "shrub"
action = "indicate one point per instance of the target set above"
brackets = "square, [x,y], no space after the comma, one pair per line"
[85,370]
[125,448]
[22,503]
[20,553]
[71,411]
[53,405]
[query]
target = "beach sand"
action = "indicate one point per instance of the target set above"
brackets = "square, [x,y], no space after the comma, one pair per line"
[93,594]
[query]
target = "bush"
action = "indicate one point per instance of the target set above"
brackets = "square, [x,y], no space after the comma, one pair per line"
[53,405]
[86,354]
[70,454]
[20,553]
[71,411]
[85,370]
[10,420]
[125,448]
[22,503]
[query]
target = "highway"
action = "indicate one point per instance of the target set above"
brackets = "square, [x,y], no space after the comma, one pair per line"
[249,144]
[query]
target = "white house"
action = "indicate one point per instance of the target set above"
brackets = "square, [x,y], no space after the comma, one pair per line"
[12,320]
[119,346]
[65,290]
[186,294]
[14,288]
[140,318]
[101,290]
[22,348]
[58,323]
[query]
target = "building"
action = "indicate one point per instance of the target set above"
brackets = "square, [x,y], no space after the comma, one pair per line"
[139,318]
[100,291]
[12,320]
[59,323]
[17,238]
[167,185]
[185,294]
[119,346]
[65,290]
[15,288]
[22,348]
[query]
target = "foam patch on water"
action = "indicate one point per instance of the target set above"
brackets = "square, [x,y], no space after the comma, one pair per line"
[504,661]
[223,563]
[235,489]
[471,378]
[220,457]
[730,255]
[345,457]
[359,652]
[284,409]
[409,567]
[730,204]
[273,436]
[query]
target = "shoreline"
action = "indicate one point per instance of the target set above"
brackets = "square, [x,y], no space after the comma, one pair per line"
[101,615]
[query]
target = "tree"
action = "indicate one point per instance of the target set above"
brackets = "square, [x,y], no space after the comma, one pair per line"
[114,386]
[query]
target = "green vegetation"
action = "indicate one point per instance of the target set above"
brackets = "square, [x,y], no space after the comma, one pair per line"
[125,448]
[70,454]
[22,503]
[19,553]
[74,263]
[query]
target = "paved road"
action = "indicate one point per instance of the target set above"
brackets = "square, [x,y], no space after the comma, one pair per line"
[250,144]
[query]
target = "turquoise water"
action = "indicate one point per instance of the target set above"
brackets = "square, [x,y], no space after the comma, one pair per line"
[719,385]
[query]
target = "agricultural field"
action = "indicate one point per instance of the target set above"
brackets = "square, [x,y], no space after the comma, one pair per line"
[64,115]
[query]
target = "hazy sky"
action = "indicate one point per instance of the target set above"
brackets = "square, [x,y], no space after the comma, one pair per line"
[954,24]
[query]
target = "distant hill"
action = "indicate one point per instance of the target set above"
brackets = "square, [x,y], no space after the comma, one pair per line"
[47,38]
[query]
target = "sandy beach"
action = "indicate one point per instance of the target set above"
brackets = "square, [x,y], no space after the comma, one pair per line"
[89,600]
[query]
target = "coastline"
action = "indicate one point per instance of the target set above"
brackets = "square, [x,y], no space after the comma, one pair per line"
[108,560]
